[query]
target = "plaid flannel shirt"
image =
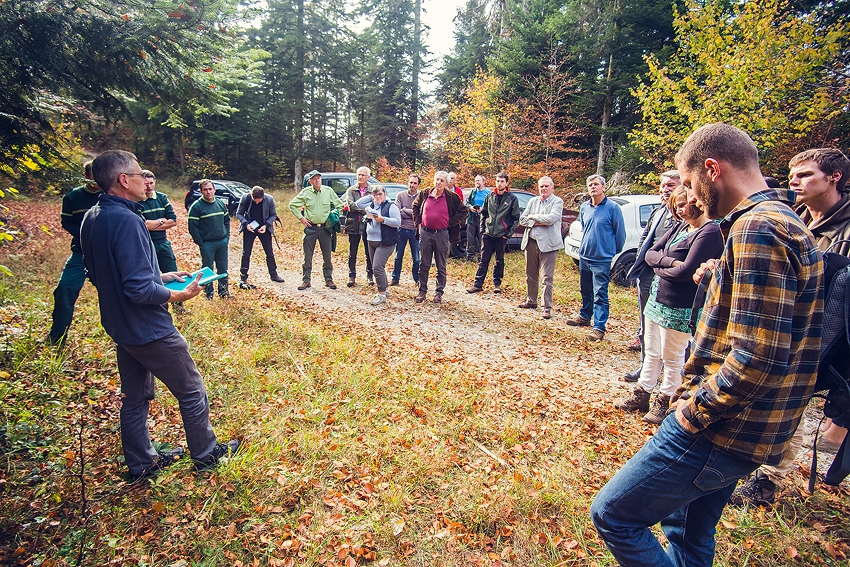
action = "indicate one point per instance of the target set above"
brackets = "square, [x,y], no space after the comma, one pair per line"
[755,355]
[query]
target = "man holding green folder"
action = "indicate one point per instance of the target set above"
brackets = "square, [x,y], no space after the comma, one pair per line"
[122,265]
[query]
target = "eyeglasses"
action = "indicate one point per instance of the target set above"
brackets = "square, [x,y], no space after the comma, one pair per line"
[133,174]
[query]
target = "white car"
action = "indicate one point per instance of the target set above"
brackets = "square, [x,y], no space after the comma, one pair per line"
[636,210]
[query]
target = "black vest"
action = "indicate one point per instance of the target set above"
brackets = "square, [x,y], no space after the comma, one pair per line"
[389,234]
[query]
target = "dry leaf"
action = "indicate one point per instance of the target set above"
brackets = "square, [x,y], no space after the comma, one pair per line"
[791,552]
[398,526]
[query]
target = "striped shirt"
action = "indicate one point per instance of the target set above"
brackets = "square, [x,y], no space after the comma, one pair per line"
[208,222]
[755,355]
[158,207]
[75,203]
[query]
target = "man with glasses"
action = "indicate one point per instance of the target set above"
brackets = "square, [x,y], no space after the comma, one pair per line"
[74,205]
[209,225]
[407,232]
[122,265]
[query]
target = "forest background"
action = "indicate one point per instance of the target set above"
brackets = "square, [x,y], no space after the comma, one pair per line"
[265,91]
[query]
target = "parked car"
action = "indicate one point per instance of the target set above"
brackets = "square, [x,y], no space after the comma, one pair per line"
[514,242]
[340,181]
[231,192]
[636,210]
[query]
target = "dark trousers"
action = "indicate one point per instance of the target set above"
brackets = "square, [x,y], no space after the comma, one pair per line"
[165,256]
[167,359]
[248,246]
[66,293]
[215,252]
[473,238]
[436,246]
[311,235]
[489,246]
[353,244]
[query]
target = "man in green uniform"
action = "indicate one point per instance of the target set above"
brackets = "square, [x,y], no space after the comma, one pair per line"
[159,216]
[74,206]
[209,225]
[311,207]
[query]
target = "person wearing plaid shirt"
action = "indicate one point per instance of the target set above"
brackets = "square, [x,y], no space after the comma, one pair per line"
[751,372]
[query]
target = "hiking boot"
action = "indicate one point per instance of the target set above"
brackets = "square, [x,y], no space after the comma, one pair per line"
[246,285]
[757,490]
[638,401]
[276,278]
[219,452]
[632,376]
[438,297]
[527,305]
[379,298]
[547,313]
[474,289]
[303,286]
[370,280]
[420,297]
[635,346]
[595,335]
[497,288]
[351,282]
[394,282]
[660,405]
[330,284]
[163,459]
[578,322]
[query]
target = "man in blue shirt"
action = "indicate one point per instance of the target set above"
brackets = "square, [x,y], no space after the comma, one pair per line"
[603,238]
[122,265]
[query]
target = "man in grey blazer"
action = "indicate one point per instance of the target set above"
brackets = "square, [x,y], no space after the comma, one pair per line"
[660,221]
[541,242]
[256,215]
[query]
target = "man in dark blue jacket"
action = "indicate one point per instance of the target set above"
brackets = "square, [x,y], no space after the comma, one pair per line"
[122,265]
[256,215]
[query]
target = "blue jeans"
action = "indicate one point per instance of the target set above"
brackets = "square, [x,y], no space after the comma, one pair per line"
[405,236]
[679,479]
[66,293]
[593,282]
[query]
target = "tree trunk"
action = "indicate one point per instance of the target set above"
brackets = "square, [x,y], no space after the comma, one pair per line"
[299,97]
[417,48]
[606,119]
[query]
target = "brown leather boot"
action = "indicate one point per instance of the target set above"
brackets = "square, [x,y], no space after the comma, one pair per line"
[660,405]
[638,401]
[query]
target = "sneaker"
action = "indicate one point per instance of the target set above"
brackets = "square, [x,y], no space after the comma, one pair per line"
[527,305]
[246,285]
[474,289]
[379,298]
[303,286]
[635,346]
[497,288]
[420,297]
[163,459]
[351,282]
[825,445]
[757,490]
[394,282]
[547,313]
[276,278]
[659,410]
[638,401]
[595,335]
[578,322]
[632,376]
[438,297]
[219,452]
[370,280]
[330,284]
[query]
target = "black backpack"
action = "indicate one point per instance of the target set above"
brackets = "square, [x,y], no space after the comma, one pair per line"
[833,383]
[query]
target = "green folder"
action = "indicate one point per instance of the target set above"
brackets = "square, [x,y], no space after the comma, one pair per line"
[207,276]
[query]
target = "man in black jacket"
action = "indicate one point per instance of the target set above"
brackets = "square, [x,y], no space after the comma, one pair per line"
[499,218]
[256,215]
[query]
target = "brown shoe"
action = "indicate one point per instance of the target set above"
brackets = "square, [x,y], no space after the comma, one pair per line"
[351,282]
[660,405]
[303,286]
[330,284]
[635,346]
[595,335]
[438,297]
[420,297]
[474,289]
[578,322]
[547,313]
[638,401]
[527,305]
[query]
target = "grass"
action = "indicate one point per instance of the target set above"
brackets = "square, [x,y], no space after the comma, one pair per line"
[352,457]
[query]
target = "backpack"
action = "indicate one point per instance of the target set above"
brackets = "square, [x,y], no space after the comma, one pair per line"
[833,382]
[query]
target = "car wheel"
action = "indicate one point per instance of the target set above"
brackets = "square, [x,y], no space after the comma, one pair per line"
[621,267]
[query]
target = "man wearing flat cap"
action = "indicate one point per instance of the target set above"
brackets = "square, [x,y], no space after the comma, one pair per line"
[311,207]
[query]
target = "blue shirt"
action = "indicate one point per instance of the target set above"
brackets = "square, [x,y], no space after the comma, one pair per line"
[121,263]
[604,230]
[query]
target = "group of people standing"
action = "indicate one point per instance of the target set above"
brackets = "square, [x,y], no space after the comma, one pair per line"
[428,221]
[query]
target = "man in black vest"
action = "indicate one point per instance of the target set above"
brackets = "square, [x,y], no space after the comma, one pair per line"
[256,215]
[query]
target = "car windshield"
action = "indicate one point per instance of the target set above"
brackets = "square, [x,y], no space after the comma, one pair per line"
[237,188]
[523,199]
